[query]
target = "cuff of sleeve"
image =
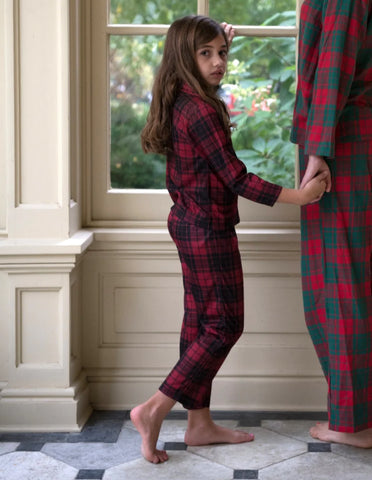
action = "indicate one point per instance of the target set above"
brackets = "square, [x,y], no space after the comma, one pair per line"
[325,149]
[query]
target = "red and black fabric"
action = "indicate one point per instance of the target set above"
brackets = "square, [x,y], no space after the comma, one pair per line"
[204,179]
[213,309]
[204,175]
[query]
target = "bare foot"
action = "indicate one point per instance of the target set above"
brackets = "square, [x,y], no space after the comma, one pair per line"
[201,430]
[148,427]
[210,433]
[361,439]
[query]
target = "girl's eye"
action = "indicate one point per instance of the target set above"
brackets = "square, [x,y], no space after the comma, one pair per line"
[204,52]
[223,53]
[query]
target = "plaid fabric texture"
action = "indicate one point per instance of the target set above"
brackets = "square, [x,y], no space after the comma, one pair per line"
[204,175]
[333,118]
[204,179]
[336,275]
[214,309]
[334,90]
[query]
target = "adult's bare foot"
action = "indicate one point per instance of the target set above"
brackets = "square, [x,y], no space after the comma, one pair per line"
[207,435]
[361,439]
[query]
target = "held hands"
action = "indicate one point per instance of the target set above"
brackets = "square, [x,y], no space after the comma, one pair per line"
[316,181]
[313,190]
[317,165]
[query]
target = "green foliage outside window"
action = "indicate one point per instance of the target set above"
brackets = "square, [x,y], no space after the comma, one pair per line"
[265,92]
[133,62]
[259,90]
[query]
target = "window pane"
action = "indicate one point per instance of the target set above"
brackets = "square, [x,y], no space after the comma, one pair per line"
[253,12]
[156,11]
[259,90]
[133,61]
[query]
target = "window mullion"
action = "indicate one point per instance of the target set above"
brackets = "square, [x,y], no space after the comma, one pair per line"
[203,7]
[135,29]
[259,31]
[241,30]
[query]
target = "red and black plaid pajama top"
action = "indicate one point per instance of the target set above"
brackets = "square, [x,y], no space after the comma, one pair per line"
[333,119]
[204,179]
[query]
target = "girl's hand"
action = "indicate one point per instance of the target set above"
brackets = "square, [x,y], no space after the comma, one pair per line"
[230,32]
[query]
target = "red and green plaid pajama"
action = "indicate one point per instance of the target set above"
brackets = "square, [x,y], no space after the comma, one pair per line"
[336,277]
[333,119]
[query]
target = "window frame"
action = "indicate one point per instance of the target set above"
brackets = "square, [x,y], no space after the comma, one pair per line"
[127,208]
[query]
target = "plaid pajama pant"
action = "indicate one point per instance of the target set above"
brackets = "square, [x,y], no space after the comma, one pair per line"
[336,276]
[213,309]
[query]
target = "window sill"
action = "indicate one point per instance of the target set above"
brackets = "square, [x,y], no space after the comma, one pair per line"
[278,236]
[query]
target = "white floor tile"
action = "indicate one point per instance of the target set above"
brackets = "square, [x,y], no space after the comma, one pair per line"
[360,455]
[7,447]
[267,448]
[180,466]
[34,466]
[298,429]
[88,456]
[313,466]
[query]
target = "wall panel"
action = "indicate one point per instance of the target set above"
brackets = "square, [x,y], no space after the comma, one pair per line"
[133,307]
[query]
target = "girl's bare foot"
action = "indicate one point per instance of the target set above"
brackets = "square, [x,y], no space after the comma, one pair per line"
[216,434]
[147,418]
[361,439]
[201,430]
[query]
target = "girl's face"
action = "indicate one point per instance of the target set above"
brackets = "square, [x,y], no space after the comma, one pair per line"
[211,59]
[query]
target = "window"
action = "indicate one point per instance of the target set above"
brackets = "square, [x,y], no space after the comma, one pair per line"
[127,187]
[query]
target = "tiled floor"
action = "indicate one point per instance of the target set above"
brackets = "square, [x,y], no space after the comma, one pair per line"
[109,448]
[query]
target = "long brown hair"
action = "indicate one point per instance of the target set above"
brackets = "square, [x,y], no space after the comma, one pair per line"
[178,66]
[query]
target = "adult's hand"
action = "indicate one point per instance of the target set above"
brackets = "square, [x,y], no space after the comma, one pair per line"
[316,165]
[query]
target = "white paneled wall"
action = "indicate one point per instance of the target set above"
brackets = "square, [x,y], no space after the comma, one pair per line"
[133,306]
[42,382]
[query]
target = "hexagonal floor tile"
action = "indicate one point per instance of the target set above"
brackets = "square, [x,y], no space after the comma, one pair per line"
[267,448]
[90,455]
[298,429]
[316,466]
[8,447]
[360,455]
[180,465]
[37,465]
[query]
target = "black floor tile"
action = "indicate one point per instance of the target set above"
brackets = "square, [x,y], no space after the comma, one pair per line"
[30,446]
[318,447]
[34,437]
[102,426]
[246,474]
[175,446]
[91,474]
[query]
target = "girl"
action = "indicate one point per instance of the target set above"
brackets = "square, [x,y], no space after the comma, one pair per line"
[335,137]
[189,124]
